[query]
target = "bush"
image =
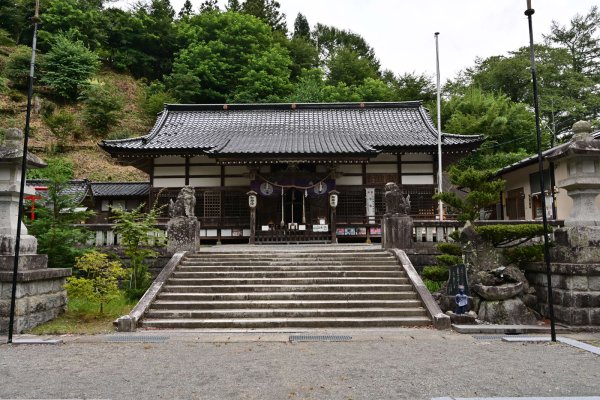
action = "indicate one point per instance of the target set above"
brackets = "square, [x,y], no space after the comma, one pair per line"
[62,125]
[433,286]
[3,85]
[436,273]
[523,255]
[119,134]
[452,249]
[155,102]
[68,66]
[100,280]
[59,168]
[449,260]
[103,106]
[5,39]
[17,66]
[502,235]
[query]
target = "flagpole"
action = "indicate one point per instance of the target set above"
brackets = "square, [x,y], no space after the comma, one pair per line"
[439,127]
[13,296]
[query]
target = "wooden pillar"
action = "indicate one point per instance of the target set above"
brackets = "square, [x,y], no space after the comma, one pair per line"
[333,202]
[252,202]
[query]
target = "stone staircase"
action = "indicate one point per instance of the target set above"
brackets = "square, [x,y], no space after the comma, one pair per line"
[291,287]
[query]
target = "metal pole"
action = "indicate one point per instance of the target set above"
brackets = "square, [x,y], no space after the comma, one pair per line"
[529,12]
[439,126]
[13,295]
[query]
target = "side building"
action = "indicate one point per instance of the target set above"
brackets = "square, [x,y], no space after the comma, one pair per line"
[293,156]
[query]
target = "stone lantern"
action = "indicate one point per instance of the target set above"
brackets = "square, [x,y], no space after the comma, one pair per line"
[40,295]
[582,158]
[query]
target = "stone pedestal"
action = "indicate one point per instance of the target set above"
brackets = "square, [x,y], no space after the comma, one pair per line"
[576,244]
[40,294]
[397,232]
[183,234]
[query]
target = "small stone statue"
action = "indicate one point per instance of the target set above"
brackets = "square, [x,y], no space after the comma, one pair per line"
[462,300]
[185,203]
[395,203]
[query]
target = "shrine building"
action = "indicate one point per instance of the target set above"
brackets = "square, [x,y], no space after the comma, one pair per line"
[317,170]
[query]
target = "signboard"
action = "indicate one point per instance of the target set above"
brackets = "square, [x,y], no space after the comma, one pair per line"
[370,204]
[321,228]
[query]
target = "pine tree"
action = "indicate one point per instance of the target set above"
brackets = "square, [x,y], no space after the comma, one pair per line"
[186,10]
[301,27]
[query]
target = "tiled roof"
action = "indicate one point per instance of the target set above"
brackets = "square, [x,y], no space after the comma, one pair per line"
[120,189]
[77,189]
[289,129]
[534,158]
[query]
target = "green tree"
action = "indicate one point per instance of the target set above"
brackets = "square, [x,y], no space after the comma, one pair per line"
[267,11]
[99,282]
[233,5]
[482,190]
[506,125]
[303,53]
[55,225]
[209,6]
[411,86]
[82,19]
[134,228]
[68,66]
[347,66]
[15,18]
[301,27]
[18,65]
[221,56]
[186,10]
[103,106]
[581,40]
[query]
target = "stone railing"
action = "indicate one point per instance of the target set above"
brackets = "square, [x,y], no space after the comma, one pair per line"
[103,235]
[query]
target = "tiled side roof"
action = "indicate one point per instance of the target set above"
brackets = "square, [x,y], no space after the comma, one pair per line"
[120,189]
[77,189]
[307,129]
[534,158]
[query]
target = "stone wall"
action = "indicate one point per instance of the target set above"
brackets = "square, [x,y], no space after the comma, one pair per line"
[40,297]
[575,292]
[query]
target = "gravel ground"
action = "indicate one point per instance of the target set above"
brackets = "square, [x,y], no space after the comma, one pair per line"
[392,364]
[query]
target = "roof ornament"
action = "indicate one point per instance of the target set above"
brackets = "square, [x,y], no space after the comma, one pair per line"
[225,106]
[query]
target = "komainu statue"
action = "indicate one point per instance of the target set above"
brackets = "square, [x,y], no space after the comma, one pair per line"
[185,203]
[395,203]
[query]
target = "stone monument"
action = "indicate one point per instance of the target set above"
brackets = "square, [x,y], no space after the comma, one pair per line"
[397,225]
[183,229]
[40,294]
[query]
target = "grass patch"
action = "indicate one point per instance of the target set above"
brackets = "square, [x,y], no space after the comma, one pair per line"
[83,318]
[593,342]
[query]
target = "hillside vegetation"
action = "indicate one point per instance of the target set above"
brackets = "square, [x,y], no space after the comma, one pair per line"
[104,72]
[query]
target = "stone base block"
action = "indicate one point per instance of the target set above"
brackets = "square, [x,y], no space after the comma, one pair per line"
[506,312]
[27,262]
[183,234]
[577,244]
[27,244]
[397,232]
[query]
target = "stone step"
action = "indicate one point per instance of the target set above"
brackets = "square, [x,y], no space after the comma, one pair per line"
[316,268]
[285,281]
[288,288]
[251,262]
[314,257]
[289,304]
[287,274]
[287,296]
[265,323]
[285,313]
[260,252]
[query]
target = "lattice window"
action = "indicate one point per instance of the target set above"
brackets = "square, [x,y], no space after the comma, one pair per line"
[212,204]
[235,204]
[381,179]
[379,202]
[351,203]
[421,202]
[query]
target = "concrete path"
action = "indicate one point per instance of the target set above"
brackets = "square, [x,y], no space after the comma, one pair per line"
[372,364]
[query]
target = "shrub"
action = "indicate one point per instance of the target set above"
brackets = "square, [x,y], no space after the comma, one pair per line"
[436,273]
[506,235]
[433,286]
[59,168]
[68,66]
[523,255]
[100,280]
[3,85]
[154,102]
[452,249]
[5,39]
[103,106]
[119,134]
[17,66]
[62,125]
[448,260]
[133,227]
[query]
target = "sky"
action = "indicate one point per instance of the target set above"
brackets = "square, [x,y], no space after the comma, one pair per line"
[402,31]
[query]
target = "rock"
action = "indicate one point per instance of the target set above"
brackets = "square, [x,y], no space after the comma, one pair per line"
[510,312]
[502,292]
[462,319]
